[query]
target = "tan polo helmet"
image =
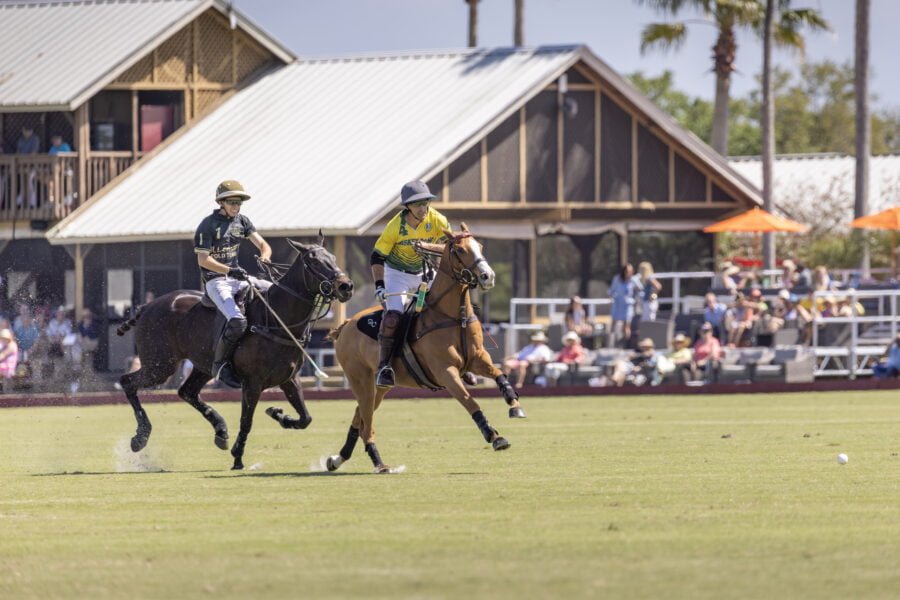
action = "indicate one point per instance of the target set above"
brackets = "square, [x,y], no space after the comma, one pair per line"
[231,189]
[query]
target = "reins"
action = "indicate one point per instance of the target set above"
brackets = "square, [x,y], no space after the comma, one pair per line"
[320,304]
[466,279]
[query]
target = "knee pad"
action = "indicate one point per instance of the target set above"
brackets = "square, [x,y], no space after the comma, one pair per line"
[391,319]
[235,328]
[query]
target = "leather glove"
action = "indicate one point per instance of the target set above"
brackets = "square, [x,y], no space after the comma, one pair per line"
[237,273]
[380,292]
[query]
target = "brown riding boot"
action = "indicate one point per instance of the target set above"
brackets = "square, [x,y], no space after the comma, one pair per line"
[386,337]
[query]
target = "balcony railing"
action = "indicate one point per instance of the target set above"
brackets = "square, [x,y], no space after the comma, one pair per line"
[103,167]
[38,187]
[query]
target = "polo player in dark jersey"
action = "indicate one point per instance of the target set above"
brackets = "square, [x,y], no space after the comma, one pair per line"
[216,243]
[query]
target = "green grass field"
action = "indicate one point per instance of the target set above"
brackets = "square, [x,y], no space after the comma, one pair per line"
[636,497]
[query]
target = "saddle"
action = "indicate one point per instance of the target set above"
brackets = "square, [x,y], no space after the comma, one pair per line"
[403,350]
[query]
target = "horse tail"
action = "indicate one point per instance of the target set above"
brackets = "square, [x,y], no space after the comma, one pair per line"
[336,332]
[121,329]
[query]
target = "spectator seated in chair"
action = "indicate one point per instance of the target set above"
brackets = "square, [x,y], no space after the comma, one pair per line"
[749,309]
[640,368]
[571,355]
[889,366]
[535,353]
[9,355]
[707,354]
[680,360]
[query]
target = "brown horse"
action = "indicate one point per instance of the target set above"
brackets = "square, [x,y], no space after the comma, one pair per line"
[177,326]
[447,340]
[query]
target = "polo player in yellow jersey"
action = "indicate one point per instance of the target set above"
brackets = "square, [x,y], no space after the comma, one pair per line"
[397,267]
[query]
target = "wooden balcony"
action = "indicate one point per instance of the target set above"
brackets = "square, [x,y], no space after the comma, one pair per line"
[40,187]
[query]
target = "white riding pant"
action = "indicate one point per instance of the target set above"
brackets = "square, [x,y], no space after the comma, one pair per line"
[396,282]
[222,291]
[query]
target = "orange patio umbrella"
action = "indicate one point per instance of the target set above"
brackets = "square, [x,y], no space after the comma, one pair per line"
[888,219]
[756,220]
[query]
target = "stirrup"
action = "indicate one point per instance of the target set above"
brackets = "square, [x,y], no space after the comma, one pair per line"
[225,374]
[385,377]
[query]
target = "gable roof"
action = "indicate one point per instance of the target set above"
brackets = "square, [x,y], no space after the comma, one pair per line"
[56,55]
[329,142]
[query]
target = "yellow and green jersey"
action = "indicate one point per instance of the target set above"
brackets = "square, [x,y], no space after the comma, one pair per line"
[396,242]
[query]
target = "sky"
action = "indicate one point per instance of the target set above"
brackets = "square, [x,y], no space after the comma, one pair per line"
[610,27]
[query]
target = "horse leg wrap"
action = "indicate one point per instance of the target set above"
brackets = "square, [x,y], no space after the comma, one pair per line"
[509,393]
[486,430]
[372,451]
[350,444]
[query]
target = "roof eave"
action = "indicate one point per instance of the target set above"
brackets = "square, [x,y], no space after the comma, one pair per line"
[270,43]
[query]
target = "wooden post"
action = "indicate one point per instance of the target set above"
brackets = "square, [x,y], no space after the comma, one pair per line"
[532,275]
[340,255]
[135,131]
[634,160]
[598,142]
[78,252]
[83,146]
[523,157]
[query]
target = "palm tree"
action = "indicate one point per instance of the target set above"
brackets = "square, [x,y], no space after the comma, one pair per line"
[519,26]
[768,128]
[863,123]
[473,22]
[727,16]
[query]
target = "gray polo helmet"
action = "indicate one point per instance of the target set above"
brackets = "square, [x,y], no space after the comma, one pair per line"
[415,191]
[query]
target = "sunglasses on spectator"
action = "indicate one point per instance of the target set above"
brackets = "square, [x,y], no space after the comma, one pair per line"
[233,202]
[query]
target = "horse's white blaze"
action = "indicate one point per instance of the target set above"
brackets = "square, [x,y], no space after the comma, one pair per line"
[486,275]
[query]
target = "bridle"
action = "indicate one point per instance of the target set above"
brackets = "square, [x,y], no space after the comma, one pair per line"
[323,282]
[322,286]
[465,274]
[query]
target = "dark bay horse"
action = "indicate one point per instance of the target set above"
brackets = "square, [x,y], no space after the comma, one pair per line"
[177,326]
[447,340]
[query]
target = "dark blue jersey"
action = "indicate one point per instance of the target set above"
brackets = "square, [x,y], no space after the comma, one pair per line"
[221,236]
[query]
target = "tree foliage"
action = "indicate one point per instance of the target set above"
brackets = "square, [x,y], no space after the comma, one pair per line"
[814,112]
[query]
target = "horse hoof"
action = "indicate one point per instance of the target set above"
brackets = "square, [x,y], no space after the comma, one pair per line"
[382,469]
[221,441]
[274,412]
[238,466]
[500,443]
[334,462]
[138,443]
[516,412]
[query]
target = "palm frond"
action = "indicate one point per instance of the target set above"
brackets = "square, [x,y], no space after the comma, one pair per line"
[668,6]
[665,36]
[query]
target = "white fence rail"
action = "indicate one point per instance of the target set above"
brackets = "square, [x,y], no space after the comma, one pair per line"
[869,335]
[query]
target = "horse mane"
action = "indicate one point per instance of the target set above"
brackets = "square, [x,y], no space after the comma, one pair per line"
[121,329]
[334,333]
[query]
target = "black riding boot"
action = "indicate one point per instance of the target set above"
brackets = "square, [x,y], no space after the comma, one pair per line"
[386,337]
[225,345]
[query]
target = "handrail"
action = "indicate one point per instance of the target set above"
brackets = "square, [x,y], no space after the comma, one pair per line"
[856,353]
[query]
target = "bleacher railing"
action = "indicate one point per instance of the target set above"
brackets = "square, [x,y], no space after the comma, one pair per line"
[869,334]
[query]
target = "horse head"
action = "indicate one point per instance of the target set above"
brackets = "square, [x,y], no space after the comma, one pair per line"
[316,270]
[467,263]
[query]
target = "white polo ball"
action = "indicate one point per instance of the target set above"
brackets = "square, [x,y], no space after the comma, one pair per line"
[842,459]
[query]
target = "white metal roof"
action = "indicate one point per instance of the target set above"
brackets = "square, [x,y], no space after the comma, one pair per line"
[806,185]
[56,55]
[328,143]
